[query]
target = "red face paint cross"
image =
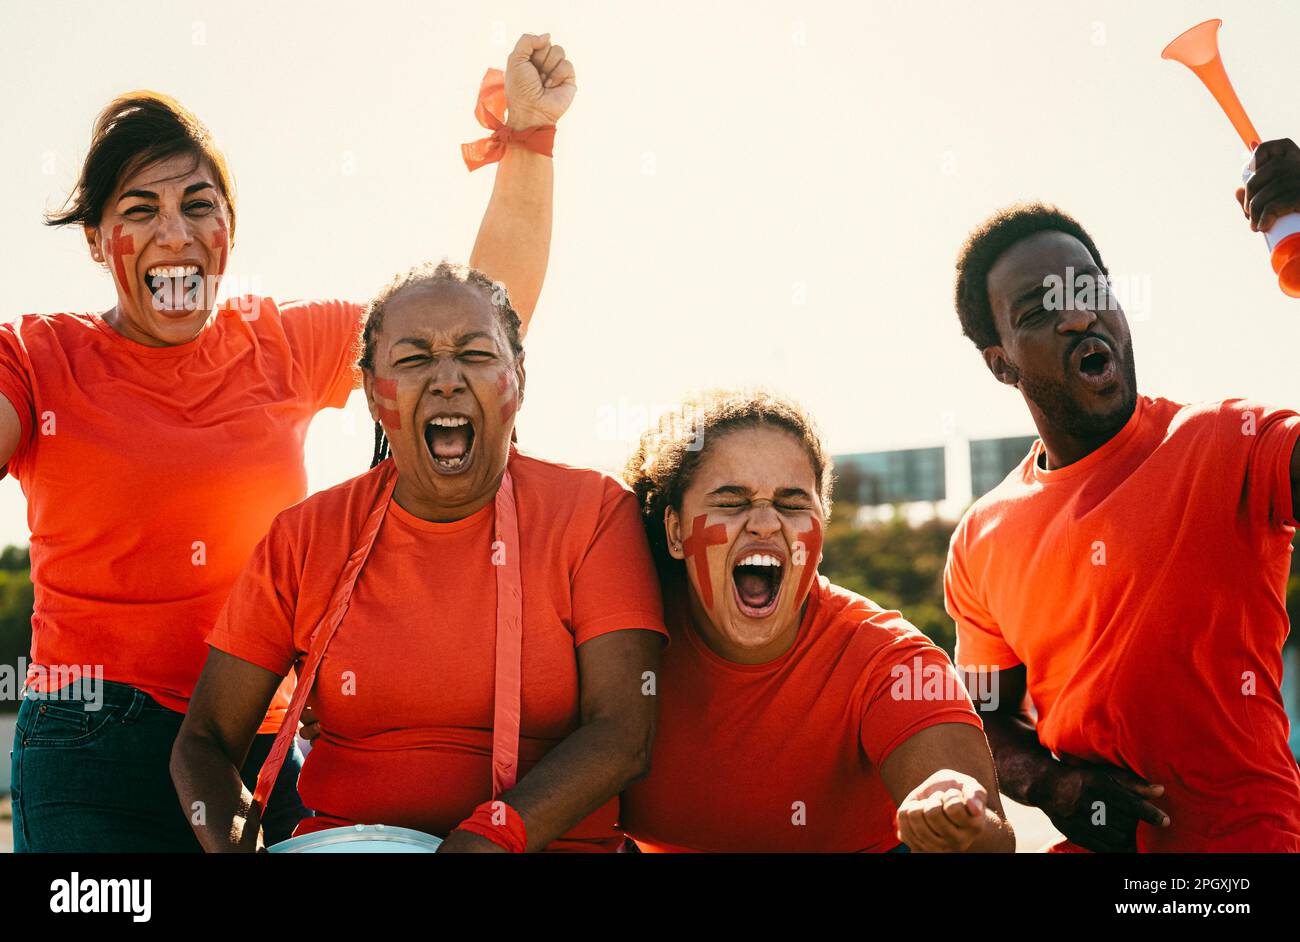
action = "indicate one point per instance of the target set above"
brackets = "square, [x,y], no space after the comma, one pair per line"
[386,403]
[696,547]
[221,242]
[810,546]
[509,400]
[120,246]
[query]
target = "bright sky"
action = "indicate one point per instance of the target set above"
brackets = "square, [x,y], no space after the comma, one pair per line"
[746,192]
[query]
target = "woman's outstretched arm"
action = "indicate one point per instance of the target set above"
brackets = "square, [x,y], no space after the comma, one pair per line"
[946,789]
[514,240]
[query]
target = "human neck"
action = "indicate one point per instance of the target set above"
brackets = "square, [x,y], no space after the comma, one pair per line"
[429,507]
[123,326]
[1063,448]
[717,641]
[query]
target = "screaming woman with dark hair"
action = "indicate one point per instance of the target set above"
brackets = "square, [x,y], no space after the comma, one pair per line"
[156,441]
[795,715]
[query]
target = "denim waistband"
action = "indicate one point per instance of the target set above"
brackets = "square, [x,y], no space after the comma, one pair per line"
[93,694]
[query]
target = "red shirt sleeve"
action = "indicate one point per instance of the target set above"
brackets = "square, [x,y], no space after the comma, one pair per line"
[257,622]
[1269,435]
[615,586]
[910,685]
[16,386]
[324,336]
[979,639]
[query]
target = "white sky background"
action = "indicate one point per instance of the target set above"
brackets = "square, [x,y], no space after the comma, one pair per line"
[766,192]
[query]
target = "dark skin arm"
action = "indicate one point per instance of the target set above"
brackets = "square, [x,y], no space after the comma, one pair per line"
[1271,193]
[1065,790]
[1274,190]
[228,705]
[607,752]
[1295,481]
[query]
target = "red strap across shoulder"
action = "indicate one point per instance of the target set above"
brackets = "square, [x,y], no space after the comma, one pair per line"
[509,635]
[324,631]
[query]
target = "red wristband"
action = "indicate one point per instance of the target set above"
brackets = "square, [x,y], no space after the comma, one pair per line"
[490,111]
[499,823]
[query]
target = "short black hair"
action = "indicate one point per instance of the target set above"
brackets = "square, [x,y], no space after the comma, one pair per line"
[985,245]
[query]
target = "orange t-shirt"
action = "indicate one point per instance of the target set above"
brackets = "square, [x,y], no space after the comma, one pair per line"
[404,693]
[1143,588]
[785,756]
[152,472]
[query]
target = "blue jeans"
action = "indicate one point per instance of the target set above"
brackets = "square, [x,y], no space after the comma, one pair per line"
[89,780]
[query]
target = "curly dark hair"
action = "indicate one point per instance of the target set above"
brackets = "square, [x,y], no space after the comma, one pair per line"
[985,245]
[664,463]
[429,273]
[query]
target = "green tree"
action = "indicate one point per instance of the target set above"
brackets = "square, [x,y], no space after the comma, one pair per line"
[896,565]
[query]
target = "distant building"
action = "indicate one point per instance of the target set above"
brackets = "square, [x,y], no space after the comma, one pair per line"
[923,483]
[991,460]
[891,477]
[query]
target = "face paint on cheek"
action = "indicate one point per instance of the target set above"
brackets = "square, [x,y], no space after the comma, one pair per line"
[386,403]
[221,242]
[121,248]
[509,395]
[809,544]
[696,547]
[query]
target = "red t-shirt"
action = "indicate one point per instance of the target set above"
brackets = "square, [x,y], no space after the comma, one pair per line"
[404,693]
[1143,588]
[151,473]
[785,756]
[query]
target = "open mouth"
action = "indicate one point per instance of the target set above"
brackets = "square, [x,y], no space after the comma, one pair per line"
[1094,362]
[175,287]
[450,439]
[756,582]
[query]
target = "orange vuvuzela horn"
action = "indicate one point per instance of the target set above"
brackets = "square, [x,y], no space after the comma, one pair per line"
[1198,49]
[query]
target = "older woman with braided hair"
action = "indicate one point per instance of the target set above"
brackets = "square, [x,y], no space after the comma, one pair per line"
[448,700]
[796,715]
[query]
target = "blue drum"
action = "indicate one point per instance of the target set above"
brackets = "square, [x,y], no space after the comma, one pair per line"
[360,839]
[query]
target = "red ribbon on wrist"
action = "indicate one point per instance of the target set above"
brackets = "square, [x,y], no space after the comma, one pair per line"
[499,823]
[490,110]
